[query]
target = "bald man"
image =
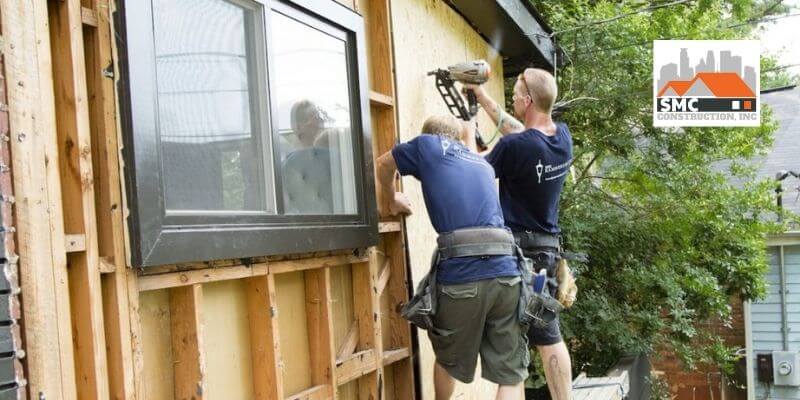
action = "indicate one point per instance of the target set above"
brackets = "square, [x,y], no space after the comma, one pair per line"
[531,161]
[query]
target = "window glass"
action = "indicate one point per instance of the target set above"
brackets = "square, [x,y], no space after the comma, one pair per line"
[312,94]
[212,158]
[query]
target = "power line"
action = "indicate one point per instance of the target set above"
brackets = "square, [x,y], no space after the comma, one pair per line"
[781,67]
[620,16]
[646,42]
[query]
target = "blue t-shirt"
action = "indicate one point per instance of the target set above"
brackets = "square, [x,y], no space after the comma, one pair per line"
[532,168]
[460,192]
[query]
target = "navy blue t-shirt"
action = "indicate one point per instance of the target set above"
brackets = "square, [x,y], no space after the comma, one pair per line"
[532,168]
[460,192]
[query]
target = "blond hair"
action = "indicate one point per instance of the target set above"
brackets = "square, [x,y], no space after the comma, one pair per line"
[541,87]
[442,125]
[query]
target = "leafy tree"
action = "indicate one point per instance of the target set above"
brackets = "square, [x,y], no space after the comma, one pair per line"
[671,239]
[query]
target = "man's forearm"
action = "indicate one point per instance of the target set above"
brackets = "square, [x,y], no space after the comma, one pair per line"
[386,169]
[504,121]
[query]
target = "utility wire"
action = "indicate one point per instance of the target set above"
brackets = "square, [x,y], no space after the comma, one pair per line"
[781,67]
[620,16]
[647,42]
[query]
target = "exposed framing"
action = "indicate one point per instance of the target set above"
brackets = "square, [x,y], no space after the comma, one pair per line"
[65,147]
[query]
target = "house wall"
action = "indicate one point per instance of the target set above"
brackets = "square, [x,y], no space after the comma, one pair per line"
[704,383]
[765,317]
[428,34]
[319,325]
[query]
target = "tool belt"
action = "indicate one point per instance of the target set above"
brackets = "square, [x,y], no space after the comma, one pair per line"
[471,242]
[468,242]
[545,252]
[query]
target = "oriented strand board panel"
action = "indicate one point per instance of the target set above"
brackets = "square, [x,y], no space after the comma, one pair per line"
[226,341]
[293,328]
[428,34]
[157,344]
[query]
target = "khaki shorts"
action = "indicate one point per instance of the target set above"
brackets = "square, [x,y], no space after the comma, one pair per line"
[481,318]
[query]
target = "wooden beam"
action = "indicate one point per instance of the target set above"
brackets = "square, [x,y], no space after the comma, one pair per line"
[264,338]
[380,99]
[186,321]
[89,17]
[206,275]
[367,313]
[383,278]
[283,266]
[319,392]
[320,328]
[126,312]
[75,163]
[349,344]
[389,226]
[75,242]
[27,60]
[393,356]
[106,267]
[358,365]
[187,278]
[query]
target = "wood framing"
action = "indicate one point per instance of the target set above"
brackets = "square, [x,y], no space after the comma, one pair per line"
[189,367]
[85,339]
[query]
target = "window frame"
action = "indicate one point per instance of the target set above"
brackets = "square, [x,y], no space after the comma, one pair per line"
[159,238]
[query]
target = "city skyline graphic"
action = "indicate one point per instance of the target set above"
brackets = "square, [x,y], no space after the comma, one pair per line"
[680,75]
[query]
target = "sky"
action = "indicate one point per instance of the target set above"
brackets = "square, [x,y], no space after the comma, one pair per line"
[780,37]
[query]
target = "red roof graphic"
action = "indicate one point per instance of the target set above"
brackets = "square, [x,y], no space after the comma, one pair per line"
[721,84]
[680,87]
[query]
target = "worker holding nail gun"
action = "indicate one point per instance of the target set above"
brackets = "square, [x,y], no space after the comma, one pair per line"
[532,161]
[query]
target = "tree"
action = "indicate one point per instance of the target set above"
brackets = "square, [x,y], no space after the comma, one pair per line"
[670,238]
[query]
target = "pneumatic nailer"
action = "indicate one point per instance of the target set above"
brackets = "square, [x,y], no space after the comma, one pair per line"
[475,72]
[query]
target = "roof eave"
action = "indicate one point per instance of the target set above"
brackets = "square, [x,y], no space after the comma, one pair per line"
[515,29]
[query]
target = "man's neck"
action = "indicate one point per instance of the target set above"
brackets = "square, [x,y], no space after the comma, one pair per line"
[540,121]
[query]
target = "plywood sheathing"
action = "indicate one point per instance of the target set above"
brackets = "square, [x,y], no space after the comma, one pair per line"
[428,34]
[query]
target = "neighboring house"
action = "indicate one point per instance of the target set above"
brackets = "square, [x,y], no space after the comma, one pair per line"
[757,327]
[773,324]
[194,210]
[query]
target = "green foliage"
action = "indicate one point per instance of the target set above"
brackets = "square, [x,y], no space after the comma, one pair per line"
[670,239]
[774,75]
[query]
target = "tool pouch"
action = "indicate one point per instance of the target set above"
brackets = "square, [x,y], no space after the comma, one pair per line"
[542,308]
[421,309]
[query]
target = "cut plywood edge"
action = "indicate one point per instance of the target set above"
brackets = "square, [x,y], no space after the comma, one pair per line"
[448,39]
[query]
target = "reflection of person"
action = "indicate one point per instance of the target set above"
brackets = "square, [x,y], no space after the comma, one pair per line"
[532,166]
[478,290]
[307,121]
[307,185]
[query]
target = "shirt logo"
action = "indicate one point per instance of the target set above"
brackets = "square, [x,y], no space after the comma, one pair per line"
[539,170]
[445,146]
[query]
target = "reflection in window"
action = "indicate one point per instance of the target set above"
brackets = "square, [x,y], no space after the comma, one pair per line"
[315,144]
[210,152]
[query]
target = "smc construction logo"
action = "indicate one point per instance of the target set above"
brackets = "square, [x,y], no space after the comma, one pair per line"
[706,83]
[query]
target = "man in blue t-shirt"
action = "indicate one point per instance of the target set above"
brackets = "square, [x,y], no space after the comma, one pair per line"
[477,297]
[532,166]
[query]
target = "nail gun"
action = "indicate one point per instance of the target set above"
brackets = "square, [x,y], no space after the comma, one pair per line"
[475,72]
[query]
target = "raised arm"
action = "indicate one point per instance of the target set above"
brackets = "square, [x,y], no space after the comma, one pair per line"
[391,202]
[509,123]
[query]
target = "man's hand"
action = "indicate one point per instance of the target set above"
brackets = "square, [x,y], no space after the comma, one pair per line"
[400,205]
[509,123]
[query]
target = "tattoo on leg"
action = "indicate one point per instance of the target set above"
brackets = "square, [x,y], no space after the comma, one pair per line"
[556,374]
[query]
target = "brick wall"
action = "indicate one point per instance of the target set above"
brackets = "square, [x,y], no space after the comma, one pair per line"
[703,383]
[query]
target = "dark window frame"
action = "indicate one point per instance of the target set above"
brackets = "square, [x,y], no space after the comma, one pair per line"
[157,238]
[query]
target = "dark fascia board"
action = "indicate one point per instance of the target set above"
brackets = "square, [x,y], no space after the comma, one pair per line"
[515,29]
